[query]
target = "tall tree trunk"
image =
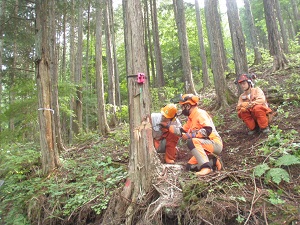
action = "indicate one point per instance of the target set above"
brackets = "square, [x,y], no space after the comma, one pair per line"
[184,48]
[2,18]
[56,126]
[78,72]
[64,118]
[72,68]
[296,18]
[282,27]
[110,64]
[253,33]
[148,41]
[211,15]
[50,155]
[160,80]
[117,75]
[237,39]
[12,93]
[273,36]
[102,121]
[141,149]
[87,61]
[220,36]
[205,77]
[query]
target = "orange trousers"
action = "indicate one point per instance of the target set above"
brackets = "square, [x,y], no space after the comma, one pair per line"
[171,142]
[256,115]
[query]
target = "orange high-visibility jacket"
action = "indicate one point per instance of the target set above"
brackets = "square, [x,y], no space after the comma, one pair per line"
[256,97]
[199,119]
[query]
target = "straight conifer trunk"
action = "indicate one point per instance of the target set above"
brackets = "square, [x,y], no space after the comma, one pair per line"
[50,155]
[237,40]
[141,152]
[276,51]
[184,48]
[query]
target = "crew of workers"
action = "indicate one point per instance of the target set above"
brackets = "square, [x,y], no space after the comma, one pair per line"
[199,132]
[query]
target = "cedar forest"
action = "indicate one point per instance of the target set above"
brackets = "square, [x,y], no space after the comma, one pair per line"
[75,137]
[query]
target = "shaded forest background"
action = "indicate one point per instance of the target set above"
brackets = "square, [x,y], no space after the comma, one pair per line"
[92,106]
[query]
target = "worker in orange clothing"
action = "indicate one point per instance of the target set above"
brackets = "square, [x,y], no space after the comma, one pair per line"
[201,135]
[164,141]
[252,106]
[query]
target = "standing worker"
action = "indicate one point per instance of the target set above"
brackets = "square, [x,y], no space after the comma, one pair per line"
[165,141]
[202,138]
[252,106]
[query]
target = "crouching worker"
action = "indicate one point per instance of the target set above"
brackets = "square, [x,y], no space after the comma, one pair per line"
[164,141]
[202,138]
[252,106]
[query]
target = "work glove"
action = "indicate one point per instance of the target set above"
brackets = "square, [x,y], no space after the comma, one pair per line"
[250,105]
[243,109]
[175,130]
[164,126]
[202,133]
[186,136]
[245,105]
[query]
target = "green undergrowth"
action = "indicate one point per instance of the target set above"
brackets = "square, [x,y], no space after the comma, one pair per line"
[85,181]
[281,150]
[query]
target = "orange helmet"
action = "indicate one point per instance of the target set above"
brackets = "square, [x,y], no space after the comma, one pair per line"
[248,78]
[169,111]
[189,99]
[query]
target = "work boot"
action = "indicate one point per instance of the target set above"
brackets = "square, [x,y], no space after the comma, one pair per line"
[251,132]
[218,165]
[170,161]
[265,130]
[204,171]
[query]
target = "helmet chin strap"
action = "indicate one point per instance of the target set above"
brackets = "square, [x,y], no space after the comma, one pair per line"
[248,86]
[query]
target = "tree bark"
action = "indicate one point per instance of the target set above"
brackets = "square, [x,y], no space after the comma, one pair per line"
[12,77]
[282,27]
[50,156]
[102,121]
[117,78]
[237,40]
[184,48]
[140,168]
[78,72]
[220,36]
[2,18]
[205,77]
[110,64]
[63,70]
[160,81]
[87,60]
[72,68]
[276,51]
[149,45]
[222,92]
[253,33]
[54,77]
[296,18]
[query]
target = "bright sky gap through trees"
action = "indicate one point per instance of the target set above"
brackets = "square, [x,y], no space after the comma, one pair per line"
[222,3]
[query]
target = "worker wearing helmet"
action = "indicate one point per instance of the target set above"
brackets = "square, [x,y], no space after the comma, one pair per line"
[201,135]
[252,106]
[164,141]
